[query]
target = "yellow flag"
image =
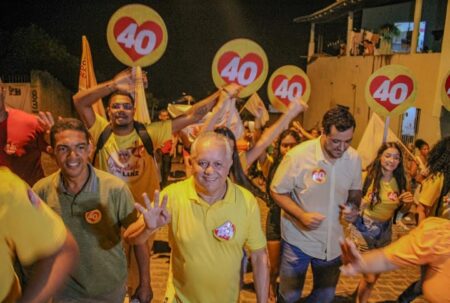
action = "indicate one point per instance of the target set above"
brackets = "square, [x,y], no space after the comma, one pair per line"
[257,108]
[87,76]
[140,102]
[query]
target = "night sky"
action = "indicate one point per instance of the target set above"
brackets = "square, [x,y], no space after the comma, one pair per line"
[196,30]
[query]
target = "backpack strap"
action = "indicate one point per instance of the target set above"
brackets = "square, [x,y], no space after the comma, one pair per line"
[102,140]
[145,137]
[140,129]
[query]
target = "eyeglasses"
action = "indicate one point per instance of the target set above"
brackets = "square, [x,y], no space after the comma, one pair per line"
[125,106]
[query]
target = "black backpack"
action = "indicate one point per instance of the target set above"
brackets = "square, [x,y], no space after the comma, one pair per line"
[140,129]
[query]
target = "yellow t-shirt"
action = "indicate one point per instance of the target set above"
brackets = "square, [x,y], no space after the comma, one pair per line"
[429,195]
[207,242]
[428,244]
[126,157]
[385,209]
[26,231]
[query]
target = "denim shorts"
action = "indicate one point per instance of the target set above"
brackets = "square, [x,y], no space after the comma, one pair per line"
[370,234]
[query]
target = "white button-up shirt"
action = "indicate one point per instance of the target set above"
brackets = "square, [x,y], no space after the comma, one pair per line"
[316,185]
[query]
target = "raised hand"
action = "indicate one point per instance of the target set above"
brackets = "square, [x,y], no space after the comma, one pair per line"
[125,80]
[232,89]
[46,121]
[297,106]
[156,216]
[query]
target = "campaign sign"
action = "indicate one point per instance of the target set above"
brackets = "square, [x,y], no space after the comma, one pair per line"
[445,92]
[286,84]
[391,90]
[137,35]
[243,62]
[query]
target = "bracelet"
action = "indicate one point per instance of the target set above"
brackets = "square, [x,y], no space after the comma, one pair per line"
[110,88]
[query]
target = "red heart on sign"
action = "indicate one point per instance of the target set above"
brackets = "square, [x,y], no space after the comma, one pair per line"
[288,97]
[447,86]
[137,39]
[391,98]
[242,71]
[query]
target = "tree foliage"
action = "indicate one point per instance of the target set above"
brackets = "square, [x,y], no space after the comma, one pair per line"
[31,48]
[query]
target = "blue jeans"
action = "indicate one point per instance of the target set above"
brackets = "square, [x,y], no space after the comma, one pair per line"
[293,267]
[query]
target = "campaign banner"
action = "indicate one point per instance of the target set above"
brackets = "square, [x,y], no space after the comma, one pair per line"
[286,84]
[391,90]
[137,35]
[243,62]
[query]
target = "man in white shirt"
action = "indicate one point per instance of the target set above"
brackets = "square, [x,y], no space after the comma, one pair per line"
[314,182]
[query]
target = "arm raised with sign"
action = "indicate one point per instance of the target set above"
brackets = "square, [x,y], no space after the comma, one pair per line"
[85,99]
[295,107]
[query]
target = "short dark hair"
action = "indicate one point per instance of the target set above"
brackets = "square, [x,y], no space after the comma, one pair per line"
[340,117]
[419,143]
[120,93]
[68,124]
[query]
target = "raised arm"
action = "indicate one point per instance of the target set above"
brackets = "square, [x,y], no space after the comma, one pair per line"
[268,136]
[151,220]
[85,99]
[200,109]
[302,131]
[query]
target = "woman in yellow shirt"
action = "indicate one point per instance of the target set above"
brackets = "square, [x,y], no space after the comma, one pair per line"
[384,190]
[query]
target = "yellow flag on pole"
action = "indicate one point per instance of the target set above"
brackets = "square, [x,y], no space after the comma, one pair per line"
[87,75]
[140,102]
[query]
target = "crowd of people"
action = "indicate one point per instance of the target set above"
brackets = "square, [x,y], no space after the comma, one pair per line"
[85,232]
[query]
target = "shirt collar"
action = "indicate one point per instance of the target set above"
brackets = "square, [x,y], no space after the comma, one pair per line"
[194,197]
[90,186]
[320,153]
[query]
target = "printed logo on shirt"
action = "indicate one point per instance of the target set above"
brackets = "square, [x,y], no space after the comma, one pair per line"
[93,216]
[127,163]
[225,231]
[393,196]
[319,176]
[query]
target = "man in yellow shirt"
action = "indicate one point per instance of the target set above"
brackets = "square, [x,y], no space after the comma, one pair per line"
[210,220]
[124,154]
[31,232]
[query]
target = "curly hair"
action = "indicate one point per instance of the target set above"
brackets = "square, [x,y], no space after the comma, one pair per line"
[375,173]
[340,117]
[439,162]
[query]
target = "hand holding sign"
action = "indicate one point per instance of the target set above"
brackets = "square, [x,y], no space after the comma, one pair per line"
[243,62]
[287,84]
[137,35]
[391,90]
[125,81]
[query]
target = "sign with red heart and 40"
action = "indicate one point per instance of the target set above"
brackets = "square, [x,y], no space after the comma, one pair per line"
[243,62]
[391,90]
[137,35]
[286,84]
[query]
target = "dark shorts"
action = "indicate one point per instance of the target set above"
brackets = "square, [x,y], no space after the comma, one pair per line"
[273,230]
